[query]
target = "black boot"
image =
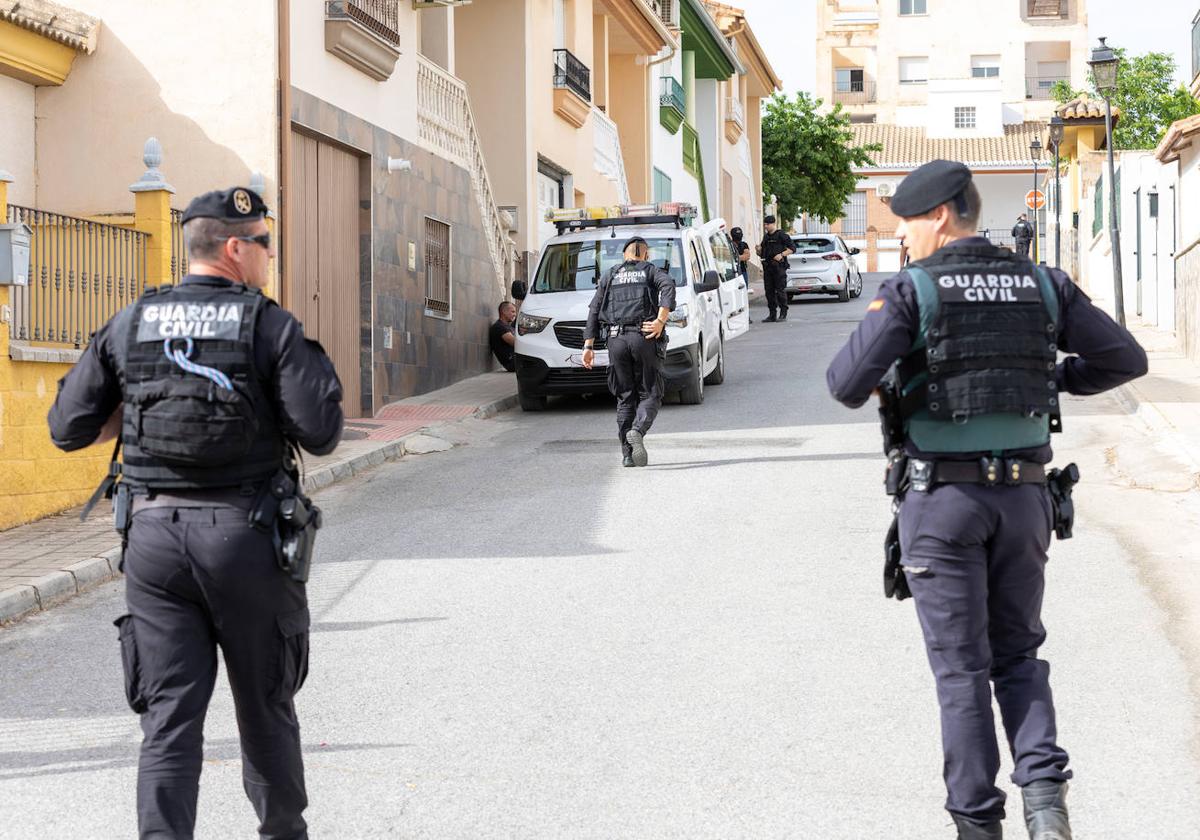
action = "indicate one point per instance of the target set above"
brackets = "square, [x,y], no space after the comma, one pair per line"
[968,830]
[1046,810]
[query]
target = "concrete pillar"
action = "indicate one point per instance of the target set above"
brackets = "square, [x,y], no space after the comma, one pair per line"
[152,214]
[689,86]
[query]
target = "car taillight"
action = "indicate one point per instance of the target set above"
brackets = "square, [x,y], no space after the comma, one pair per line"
[834,257]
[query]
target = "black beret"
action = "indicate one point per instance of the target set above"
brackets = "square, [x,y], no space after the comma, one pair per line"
[634,240]
[769,220]
[238,204]
[930,186]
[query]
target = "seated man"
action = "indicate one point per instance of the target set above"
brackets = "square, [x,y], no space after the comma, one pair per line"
[502,336]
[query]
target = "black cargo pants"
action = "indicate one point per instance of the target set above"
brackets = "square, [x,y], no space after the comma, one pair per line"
[635,365]
[199,578]
[775,288]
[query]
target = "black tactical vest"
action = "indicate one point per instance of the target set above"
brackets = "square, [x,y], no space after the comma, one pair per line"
[628,299]
[981,375]
[182,428]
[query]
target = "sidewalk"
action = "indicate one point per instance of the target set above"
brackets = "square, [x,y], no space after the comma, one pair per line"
[1167,399]
[53,559]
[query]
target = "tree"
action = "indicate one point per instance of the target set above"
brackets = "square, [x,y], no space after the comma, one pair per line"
[809,158]
[1147,96]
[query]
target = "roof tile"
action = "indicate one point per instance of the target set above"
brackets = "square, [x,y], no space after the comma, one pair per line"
[907,147]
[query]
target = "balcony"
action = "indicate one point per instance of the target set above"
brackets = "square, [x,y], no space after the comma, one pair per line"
[672,104]
[1043,9]
[735,119]
[365,34]
[572,88]
[858,93]
[1041,87]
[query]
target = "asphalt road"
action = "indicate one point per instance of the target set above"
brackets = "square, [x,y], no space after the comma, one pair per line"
[519,638]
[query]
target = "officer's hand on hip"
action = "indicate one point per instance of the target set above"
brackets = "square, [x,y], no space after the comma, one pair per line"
[653,329]
[589,356]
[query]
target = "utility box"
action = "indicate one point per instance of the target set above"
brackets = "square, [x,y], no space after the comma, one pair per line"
[14,254]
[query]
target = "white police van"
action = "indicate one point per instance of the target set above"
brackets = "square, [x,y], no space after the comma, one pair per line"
[711,300]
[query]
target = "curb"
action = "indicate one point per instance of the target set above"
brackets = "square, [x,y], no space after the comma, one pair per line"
[1152,417]
[56,587]
[51,589]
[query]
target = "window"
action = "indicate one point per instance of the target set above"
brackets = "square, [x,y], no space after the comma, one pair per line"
[848,80]
[912,7]
[726,264]
[964,116]
[985,66]
[854,215]
[662,186]
[696,264]
[914,70]
[813,245]
[437,268]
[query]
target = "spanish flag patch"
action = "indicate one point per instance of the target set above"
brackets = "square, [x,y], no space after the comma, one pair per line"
[875,305]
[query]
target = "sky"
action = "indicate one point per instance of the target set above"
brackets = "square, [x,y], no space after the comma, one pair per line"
[785,29]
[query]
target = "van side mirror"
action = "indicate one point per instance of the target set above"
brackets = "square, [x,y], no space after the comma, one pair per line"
[712,282]
[854,251]
[519,289]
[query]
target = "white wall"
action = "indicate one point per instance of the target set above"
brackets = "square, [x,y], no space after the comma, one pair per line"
[17,139]
[947,94]
[708,125]
[1003,199]
[1141,171]
[667,148]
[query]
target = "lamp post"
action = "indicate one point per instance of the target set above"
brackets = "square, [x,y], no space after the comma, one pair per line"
[1035,151]
[1104,73]
[1057,129]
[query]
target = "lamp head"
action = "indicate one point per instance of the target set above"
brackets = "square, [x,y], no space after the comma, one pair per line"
[1104,68]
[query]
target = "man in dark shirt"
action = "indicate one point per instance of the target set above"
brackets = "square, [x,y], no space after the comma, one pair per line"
[1023,235]
[775,249]
[502,336]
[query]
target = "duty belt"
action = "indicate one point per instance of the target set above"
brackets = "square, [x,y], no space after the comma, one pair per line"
[230,497]
[923,476]
[619,329]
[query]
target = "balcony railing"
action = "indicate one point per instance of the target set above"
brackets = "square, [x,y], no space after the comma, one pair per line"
[1047,8]
[735,112]
[572,74]
[81,274]
[858,93]
[1040,87]
[381,17]
[179,259]
[672,95]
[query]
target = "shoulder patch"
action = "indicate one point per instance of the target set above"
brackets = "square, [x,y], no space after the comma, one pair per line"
[875,305]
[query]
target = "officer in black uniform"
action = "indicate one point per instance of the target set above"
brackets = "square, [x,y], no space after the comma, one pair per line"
[776,247]
[975,331]
[741,249]
[632,303]
[1023,235]
[210,383]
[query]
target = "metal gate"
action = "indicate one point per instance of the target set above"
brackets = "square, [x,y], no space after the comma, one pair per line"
[437,268]
[854,215]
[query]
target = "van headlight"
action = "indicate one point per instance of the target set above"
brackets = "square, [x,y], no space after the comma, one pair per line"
[678,316]
[527,324]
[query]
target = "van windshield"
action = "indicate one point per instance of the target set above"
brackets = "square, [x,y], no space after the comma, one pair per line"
[578,266]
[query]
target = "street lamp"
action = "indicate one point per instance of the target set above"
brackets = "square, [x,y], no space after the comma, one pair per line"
[1035,151]
[1104,73]
[1057,129]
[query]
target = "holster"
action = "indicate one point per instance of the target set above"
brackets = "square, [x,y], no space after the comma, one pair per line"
[1061,484]
[895,584]
[283,511]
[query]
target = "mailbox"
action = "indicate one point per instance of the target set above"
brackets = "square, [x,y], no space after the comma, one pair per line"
[14,254]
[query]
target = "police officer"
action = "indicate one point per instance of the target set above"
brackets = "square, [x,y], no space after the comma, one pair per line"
[632,303]
[209,383]
[1023,235]
[741,248]
[975,330]
[776,247]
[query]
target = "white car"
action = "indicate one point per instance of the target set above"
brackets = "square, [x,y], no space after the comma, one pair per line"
[823,265]
[711,305]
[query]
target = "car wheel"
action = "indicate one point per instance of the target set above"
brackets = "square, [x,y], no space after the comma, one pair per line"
[718,373]
[531,402]
[693,393]
[843,294]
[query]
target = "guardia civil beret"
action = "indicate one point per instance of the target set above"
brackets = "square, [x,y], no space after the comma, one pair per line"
[930,186]
[237,204]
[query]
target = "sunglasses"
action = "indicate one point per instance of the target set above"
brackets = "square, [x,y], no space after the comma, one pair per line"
[263,239]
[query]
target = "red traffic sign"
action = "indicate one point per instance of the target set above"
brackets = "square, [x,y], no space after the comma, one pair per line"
[1035,199]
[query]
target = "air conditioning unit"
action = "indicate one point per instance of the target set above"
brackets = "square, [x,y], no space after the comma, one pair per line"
[438,4]
[886,189]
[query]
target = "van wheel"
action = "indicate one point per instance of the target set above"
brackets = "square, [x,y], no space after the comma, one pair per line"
[693,393]
[718,374]
[531,402]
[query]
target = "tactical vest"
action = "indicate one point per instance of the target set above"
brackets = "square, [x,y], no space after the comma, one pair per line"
[981,375]
[182,428]
[628,299]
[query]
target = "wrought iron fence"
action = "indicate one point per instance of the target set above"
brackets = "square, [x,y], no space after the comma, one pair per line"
[572,74]
[379,16]
[857,93]
[82,273]
[437,268]
[179,260]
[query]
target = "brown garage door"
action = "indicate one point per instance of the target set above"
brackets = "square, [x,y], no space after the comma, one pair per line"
[323,256]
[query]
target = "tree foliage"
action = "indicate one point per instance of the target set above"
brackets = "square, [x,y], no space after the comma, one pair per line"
[809,158]
[1147,96]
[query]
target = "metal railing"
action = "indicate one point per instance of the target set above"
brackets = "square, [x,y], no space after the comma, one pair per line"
[609,161]
[179,260]
[82,273]
[437,268]
[1047,8]
[572,74]
[381,17]
[859,93]
[735,112]
[672,95]
[1040,87]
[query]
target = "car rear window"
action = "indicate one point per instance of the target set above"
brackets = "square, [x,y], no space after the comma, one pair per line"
[578,266]
[813,245]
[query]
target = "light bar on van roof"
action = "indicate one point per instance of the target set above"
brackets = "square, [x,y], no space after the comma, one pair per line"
[674,209]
